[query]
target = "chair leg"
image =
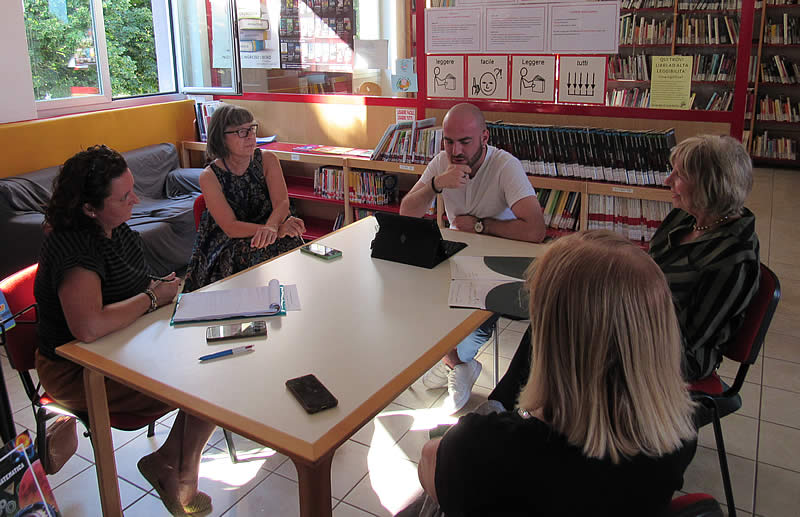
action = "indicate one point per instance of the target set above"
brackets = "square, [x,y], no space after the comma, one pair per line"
[151,429]
[41,434]
[723,462]
[231,446]
[496,335]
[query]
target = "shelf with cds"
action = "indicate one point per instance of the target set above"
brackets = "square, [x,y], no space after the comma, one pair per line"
[772,112]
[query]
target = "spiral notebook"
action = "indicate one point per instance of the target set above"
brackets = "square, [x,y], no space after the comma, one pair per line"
[247,302]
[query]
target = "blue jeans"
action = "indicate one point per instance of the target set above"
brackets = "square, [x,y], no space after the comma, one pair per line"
[469,347]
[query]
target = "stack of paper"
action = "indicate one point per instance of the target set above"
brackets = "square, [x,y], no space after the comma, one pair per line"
[473,278]
[230,303]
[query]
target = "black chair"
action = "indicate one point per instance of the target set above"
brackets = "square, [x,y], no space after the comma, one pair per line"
[694,505]
[717,398]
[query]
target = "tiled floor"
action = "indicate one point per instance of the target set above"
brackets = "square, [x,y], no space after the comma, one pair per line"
[374,473]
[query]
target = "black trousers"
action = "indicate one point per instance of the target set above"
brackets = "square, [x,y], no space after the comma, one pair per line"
[507,390]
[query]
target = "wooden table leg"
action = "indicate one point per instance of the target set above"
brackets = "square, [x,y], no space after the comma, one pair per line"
[100,423]
[315,487]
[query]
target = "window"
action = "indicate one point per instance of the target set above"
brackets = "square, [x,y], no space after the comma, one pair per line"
[88,51]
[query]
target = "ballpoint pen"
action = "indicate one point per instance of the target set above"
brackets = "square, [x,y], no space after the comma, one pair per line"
[231,351]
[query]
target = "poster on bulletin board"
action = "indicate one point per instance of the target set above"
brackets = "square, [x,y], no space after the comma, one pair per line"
[446,76]
[533,78]
[582,79]
[487,77]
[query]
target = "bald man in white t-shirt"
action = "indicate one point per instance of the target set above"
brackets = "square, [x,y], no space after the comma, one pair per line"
[485,190]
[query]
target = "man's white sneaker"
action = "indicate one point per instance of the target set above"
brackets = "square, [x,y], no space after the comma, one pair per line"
[437,376]
[459,384]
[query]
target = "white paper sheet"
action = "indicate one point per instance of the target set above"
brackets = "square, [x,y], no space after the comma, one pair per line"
[450,29]
[471,280]
[291,297]
[229,303]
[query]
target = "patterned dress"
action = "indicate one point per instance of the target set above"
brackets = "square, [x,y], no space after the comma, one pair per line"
[215,255]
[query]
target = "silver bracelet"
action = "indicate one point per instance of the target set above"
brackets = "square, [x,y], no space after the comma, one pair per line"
[153,300]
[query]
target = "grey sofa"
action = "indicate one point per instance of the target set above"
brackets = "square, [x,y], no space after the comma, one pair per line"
[164,216]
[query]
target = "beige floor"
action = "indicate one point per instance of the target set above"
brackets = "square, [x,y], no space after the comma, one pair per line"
[374,473]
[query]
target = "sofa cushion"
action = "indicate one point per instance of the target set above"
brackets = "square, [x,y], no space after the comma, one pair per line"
[183,181]
[24,195]
[150,166]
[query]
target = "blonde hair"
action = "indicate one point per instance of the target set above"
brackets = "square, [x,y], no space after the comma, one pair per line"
[720,170]
[606,349]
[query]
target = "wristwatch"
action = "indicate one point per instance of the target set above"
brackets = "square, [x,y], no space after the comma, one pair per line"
[479,226]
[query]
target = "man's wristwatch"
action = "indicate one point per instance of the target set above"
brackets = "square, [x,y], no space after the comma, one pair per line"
[479,226]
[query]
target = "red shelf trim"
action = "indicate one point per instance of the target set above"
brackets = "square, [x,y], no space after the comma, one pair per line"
[649,45]
[316,227]
[353,100]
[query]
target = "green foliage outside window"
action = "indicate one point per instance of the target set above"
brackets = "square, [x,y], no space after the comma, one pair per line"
[59,29]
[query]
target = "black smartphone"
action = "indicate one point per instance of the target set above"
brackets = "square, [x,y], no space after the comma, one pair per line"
[236,330]
[311,393]
[321,251]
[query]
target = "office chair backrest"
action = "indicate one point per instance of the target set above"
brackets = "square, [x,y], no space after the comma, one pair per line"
[22,339]
[199,208]
[694,505]
[747,342]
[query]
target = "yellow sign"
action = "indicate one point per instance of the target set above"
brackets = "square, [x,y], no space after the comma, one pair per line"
[670,82]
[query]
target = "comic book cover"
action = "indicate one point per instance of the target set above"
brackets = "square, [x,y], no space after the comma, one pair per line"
[24,490]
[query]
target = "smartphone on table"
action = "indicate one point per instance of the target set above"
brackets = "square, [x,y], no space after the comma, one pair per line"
[217,333]
[311,393]
[321,251]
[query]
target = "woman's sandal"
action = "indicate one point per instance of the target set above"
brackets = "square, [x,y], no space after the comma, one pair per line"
[200,503]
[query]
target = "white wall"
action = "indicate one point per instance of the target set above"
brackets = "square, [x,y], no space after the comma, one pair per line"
[17,101]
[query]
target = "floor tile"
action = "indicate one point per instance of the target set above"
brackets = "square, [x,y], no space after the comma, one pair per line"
[410,446]
[782,374]
[129,454]
[782,346]
[751,397]
[386,493]
[274,496]
[519,325]
[147,506]
[703,475]
[227,483]
[779,445]
[785,242]
[247,450]
[74,466]
[417,396]
[509,342]
[778,492]
[81,496]
[345,510]
[740,435]
[350,465]
[387,427]
[785,324]
[486,377]
[784,270]
[781,407]
[789,303]
[729,368]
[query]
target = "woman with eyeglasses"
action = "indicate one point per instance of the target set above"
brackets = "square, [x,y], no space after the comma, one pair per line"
[247,219]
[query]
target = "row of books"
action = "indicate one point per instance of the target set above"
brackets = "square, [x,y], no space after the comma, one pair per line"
[707,30]
[785,31]
[720,101]
[339,221]
[628,97]
[371,187]
[636,219]
[253,26]
[645,4]
[780,109]
[203,112]
[713,67]
[780,69]
[640,30]
[759,3]
[629,68]
[709,5]
[561,210]
[415,141]
[783,148]
[615,155]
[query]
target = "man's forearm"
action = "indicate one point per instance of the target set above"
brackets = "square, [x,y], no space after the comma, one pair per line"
[416,203]
[516,229]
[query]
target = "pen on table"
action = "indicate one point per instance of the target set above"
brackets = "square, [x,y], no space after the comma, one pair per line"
[231,351]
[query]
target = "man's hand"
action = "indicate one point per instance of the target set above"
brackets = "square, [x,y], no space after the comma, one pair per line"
[465,223]
[455,176]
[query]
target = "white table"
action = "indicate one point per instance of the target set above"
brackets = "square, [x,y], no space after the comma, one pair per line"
[368,329]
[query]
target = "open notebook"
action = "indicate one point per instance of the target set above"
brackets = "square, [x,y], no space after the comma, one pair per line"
[245,302]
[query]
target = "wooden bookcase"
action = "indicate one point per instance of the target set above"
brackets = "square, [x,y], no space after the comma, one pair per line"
[766,129]
[298,171]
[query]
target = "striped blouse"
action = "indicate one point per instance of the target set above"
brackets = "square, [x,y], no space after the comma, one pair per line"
[712,279]
[118,261]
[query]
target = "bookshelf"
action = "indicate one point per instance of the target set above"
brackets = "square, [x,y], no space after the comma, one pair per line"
[318,211]
[772,114]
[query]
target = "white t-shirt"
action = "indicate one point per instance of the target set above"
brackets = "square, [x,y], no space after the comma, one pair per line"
[499,183]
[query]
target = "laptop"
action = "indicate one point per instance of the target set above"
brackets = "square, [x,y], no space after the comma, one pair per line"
[411,240]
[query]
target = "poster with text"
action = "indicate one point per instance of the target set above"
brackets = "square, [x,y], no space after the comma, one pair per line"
[586,28]
[671,82]
[450,29]
[582,79]
[520,29]
[487,77]
[446,76]
[533,78]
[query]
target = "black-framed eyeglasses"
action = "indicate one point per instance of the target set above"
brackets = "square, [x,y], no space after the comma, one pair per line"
[243,132]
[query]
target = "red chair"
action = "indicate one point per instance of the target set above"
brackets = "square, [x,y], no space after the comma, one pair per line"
[694,505]
[21,342]
[199,208]
[718,398]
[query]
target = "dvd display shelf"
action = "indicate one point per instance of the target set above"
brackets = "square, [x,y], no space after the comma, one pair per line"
[772,114]
[298,171]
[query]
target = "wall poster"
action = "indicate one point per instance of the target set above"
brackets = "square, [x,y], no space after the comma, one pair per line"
[317,35]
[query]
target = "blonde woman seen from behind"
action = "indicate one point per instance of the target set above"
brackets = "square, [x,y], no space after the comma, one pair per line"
[604,423]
